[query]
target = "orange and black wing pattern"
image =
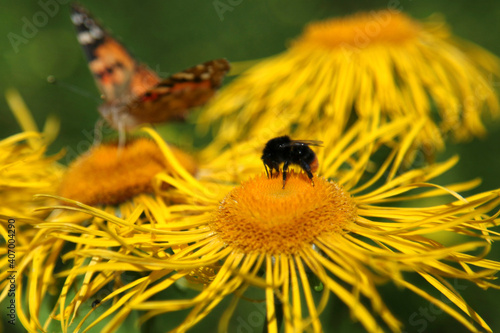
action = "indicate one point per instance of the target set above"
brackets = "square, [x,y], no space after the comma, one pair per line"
[133,94]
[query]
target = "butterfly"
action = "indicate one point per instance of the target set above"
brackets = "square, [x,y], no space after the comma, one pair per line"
[134,94]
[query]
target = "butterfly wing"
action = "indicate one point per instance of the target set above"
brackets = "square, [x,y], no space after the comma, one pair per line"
[117,74]
[174,96]
[133,94]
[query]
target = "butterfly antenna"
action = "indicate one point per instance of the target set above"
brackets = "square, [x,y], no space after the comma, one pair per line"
[77,90]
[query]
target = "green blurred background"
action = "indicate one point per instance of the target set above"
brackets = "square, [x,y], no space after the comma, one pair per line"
[172,35]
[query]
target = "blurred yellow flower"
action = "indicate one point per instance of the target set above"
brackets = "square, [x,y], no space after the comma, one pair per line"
[121,180]
[130,179]
[108,174]
[382,65]
[351,231]
[25,170]
[130,188]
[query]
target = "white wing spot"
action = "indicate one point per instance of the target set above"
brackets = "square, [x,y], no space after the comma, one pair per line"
[85,38]
[183,76]
[88,22]
[77,18]
[96,32]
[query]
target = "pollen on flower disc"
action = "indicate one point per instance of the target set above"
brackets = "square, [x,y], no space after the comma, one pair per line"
[261,216]
[361,30]
[108,174]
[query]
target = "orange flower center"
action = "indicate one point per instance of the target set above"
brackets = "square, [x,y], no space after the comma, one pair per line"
[360,30]
[261,216]
[109,175]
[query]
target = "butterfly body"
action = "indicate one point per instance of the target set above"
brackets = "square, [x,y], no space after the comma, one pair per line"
[134,94]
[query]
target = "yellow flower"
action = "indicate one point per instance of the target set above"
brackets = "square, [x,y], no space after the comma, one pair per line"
[25,170]
[351,231]
[120,180]
[383,65]
[110,175]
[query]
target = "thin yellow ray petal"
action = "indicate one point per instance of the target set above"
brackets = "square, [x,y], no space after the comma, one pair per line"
[272,324]
[357,309]
[51,129]
[296,306]
[308,257]
[173,161]
[228,313]
[313,313]
[456,299]
[17,138]
[441,305]
[405,146]
[118,318]
[22,114]
[287,305]
[163,285]
[83,289]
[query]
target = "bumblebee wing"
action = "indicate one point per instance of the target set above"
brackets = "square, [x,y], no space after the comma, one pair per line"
[303,142]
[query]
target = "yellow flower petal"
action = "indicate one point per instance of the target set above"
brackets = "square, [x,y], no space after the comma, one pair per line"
[382,65]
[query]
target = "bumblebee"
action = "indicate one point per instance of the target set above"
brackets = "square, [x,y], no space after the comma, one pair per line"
[287,151]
